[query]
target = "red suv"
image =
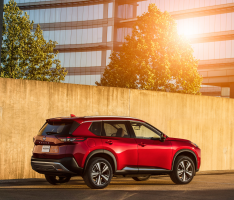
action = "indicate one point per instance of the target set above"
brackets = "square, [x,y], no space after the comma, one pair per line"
[100,147]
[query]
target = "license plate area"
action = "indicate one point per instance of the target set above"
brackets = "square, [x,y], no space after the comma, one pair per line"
[45,148]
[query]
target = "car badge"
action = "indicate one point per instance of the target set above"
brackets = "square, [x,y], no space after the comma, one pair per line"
[44,138]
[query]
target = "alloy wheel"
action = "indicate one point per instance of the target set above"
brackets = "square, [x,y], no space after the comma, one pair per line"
[185,170]
[100,173]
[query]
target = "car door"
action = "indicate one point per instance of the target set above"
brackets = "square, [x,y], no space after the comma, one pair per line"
[152,152]
[117,139]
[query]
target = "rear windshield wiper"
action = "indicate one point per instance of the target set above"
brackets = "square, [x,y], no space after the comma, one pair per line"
[51,133]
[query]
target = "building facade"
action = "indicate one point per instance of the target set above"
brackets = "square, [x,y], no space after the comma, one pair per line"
[87,31]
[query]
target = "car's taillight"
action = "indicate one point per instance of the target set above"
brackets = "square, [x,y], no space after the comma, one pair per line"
[71,139]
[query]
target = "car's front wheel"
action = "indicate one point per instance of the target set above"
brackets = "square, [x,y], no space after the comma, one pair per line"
[56,180]
[183,170]
[98,173]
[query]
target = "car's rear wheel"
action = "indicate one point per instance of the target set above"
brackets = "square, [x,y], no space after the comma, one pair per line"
[98,173]
[183,170]
[141,178]
[56,180]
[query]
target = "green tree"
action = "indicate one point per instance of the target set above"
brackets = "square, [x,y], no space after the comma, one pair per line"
[26,54]
[155,58]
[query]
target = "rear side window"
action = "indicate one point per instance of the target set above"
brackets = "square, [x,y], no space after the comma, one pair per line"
[115,129]
[96,128]
[59,128]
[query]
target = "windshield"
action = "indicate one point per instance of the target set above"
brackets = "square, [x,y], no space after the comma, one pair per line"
[61,128]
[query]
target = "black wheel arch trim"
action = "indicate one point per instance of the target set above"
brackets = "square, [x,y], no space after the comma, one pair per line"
[181,151]
[103,151]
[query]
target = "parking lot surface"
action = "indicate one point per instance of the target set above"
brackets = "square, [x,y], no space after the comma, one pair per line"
[205,185]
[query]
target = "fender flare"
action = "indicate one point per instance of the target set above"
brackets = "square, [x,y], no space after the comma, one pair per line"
[103,151]
[184,150]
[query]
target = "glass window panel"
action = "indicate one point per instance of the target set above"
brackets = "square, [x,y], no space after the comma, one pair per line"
[99,38]
[82,80]
[232,55]
[229,22]
[84,36]
[167,5]
[73,36]
[52,15]
[212,23]
[110,10]
[176,5]
[211,50]
[206,51]
[79,36]
[36,18]
[206,27]
[218,2]
[228,49]
[72,59]
[202,3]
[83,59]
[217,47]
[207,2]
[186,4]
[229,1]
[78,59]
[90,12]
[181,4]
[223,22]
[201,25]
[99,58]
[172,5]
[74,16]
[57,36]
[66,60]
[89,59]
[68,37]
[197,4]
[191,4]
[58,14]
[87,79]
[223,1]
[85,13]
[217,22]
[63,14]
[212,2]
[90,38]
[109,33]
[80,13]
[42,16]
[108,53]
[94,58]
[161,5]
[222,49]
[232,21]
[100,11]
[201,51]
[95,12]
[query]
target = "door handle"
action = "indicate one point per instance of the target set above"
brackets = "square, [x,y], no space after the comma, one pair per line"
[142,144]
[109,142]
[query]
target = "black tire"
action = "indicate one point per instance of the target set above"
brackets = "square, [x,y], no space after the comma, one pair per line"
[98,173]
[141,178]
[57,180]
[183,170]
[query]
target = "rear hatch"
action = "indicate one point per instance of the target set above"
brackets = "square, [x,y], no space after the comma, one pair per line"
[53,138]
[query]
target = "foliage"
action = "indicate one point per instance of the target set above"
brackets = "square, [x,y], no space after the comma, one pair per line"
[27,55]
[155,57]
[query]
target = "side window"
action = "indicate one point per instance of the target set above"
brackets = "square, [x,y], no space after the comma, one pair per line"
[142,131]
[96,128]
[115,129]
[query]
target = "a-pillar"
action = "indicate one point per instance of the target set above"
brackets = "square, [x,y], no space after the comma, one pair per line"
[232,90]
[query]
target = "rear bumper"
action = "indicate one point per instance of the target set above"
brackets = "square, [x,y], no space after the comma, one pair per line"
[65,166]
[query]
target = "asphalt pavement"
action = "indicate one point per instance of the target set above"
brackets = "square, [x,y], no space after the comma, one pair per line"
[205,185]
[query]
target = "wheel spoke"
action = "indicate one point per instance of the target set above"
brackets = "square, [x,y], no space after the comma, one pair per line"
[189,173]
[105,177]
[99,180]
[182,164]
[188,165]
[98,167]
[184,177]
[105,168]
[180,172]
[94,174]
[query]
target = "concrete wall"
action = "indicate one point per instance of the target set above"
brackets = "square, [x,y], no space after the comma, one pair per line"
[24,106]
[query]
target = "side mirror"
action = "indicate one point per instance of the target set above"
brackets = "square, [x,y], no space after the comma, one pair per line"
[163,137]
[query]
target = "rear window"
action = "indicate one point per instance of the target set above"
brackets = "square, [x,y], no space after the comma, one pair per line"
[58,128]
